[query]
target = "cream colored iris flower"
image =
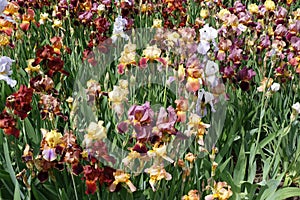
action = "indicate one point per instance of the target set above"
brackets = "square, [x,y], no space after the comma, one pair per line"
[152,52]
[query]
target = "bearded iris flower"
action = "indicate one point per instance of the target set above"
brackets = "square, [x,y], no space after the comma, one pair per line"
[30,68]
[265,84]
[94,144]
[270,5]
[121,177]
[44,17]
[3,6]
[275,87]
[207,35]
[95,131]
[192,195]
[8,124]
[295,111]
[5,71]
[52,139]
[211,69]
[203,99]
[181,109]
[221,190]
[197,127]
[118,31]
[160,151]
[118,96]
[26,19]
[127,57]
[157,173]
[296,107]
[151,53]
[203,47]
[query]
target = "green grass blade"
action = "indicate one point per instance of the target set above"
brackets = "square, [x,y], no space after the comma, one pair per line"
[285,193]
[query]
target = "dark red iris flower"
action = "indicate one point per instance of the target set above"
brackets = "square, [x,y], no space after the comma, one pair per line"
[20,102]
[245,76]
[106,175]
[91,175]
[8,124]
[52,60]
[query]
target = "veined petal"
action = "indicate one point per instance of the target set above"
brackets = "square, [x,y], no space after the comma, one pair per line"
[49,154]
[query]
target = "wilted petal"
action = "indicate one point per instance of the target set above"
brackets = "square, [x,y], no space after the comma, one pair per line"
[112,187]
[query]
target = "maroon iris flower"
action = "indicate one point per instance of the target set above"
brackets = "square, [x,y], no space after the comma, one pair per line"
[8,124]
[244,76]
[20,102]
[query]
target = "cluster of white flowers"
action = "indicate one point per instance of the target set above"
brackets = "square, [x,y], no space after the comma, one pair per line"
[118,31]
[5,71]
[207,35]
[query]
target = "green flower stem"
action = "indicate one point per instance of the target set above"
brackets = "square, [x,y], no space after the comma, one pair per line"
[73,182]
[262,113]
